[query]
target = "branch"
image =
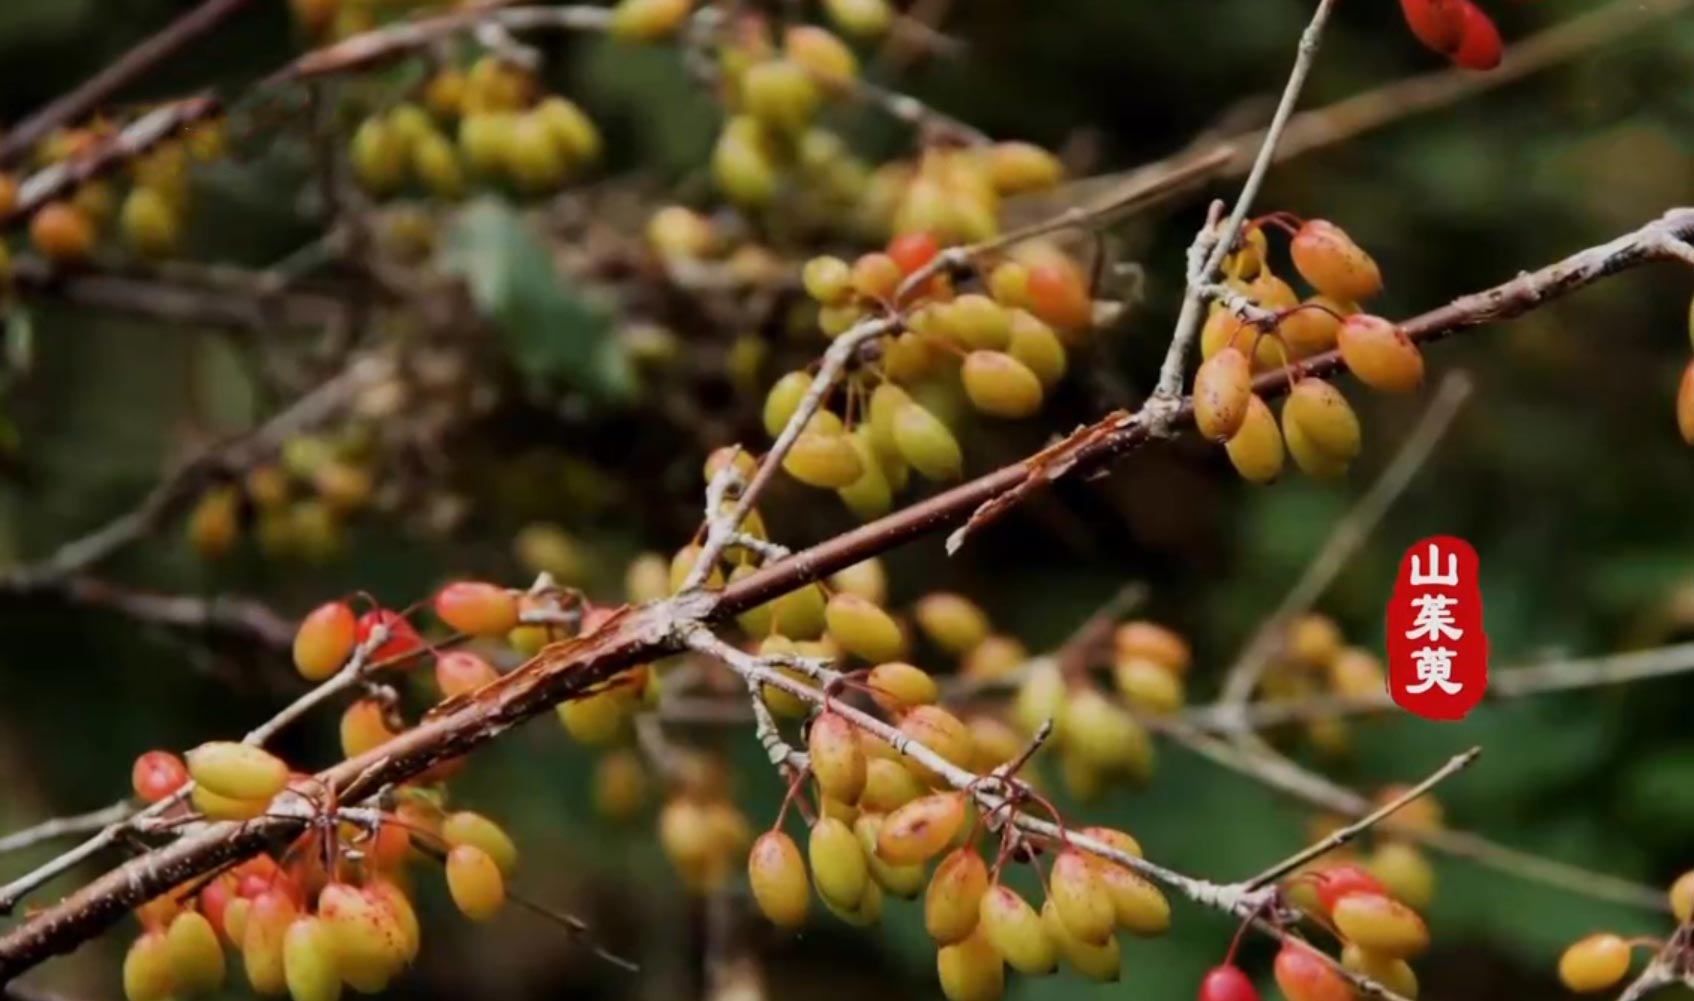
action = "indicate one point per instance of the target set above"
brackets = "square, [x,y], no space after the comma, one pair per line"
[63,827]
[1344,540]
[182,303]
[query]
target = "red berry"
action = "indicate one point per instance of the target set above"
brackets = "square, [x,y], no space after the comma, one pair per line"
[1480,48]
[1302,976]
[157,774]
[1058,296]
[402,638]
[1335,883]
[1439,24]
[477,608]
[460,671]
[912,251]
[1227,983]
[324,641]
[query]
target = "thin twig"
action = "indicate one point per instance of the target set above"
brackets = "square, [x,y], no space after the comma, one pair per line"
[62,827]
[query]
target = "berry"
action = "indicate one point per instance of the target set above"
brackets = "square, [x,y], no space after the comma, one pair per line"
[1000,385]
[898,687]
[926,443]
[1084,904]
[403,640]
[1017,167]
[379,153]
[997,656]
[1102,962]
[1338,881]
[888,786]
[1685,404]
[941,732]
[1037,347]
[1016,931]
[1103,734]
[1256,451]
[824,55]
[1594,963]
[777,876]
[1324,417]
[1682,897]
[1380,354]
[238,771]
[922,829]
[971,970]
[862,629]
[1439,24]
[837,761]
[876,276]
[459,672]
[911,251]
[1057,295]
[475,883]
[1148,686]
[149,222]
[370,942]
[620,785]
[826,461]
[780,93]
[1223,388]
[1380,923]
[838,863]
[828,280]
[1480,47]
[195,954]
[61,233]
[1392,973]
[1310,328]
[974,322]
[952,622]
[216,807]
[436,163]
[647,20]
[324,641]
[1138,906]
[1151,641]
[600,718]
[266,925]
[147,969]
[742,163]
[477,608]
[905,881]
[466,828]
[1333,264]
[1226,982]
[308,961]
[156,775]
[364,727]
[1303,976]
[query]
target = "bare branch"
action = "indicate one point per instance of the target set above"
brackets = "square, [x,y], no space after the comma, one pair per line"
[64,827]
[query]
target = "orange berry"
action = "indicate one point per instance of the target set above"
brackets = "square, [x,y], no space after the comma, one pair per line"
[364,727]
[1223,387]
[1381,924]
[474,882]
[1682,897]
[1685,404]
[324,640]
[61,233]
[876,276]
[1380,354]
[1303,976]
[477,608]
[941,732]
[971,970]
[1328,258]
[1594,963]
[911,251]
[1151,641]
[1057,295]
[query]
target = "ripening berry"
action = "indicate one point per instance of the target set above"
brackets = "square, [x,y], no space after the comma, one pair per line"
[1056,293]
[777,875]
[952,901]
[1682,897]
[898,687]
[1151,641]
[620,785]
[905,881]
[216,807]
[156,775]
[395,907]
[466,828]
[799,614]
[1223,387]
[403,640]
[1223,329]
[570,129]
[1303,976]
[477,608]
[1102,963]
[1000,385]
[1380,354]
[1148,686]
[1392,973]
[875,276]
[974,322]
[780,93]
[1226,982]
[1685,404]
[364,727]
[823,54]
[1480,47]
[869,496]
[941,732]
[435,162]
[922,829]
[370,942]
[1256,451]
[599,718]
[888,786]
[742,163]
[951,621]
[1105,735]
[379,154]
[147,969]
[459,672]
[826,461]
[1325,418]
[1333,264]
[1595,963]
[862,629]
[1338,881]
[239,771]
[829,280]
[1015,930]
[1439,24]
[647,20]
[1034,345]
[838,763]
[1423,813]
[149,222]
[1310,329]
[235,920]
[997,656]
[308,961]
[911,251]
[971,970]
[867,913]
[324,641]
[1017,167]
[475,883]
[1138,906]
[483,138]
[837,863]
[1084,903]
[266,925]
[1380,923]
[926,443]
[214,525]
[531,156]
[61,233]
[196,956]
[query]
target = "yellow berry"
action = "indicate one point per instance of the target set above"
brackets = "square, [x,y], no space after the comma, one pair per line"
[1594,963]
[777,876]
[1256,451]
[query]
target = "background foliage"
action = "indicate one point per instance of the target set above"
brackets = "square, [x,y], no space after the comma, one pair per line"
[1564,472]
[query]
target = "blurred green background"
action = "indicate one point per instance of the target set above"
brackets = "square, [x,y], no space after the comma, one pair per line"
[1564,471]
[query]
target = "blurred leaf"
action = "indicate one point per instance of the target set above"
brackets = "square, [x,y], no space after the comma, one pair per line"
[551,330]
[20,339]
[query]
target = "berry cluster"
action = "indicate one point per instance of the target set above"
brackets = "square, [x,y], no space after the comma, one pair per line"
[297,505]
[1314,660]
[1600,961]
[1260,324]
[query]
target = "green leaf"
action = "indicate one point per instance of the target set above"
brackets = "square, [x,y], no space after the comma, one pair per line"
[551,330]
